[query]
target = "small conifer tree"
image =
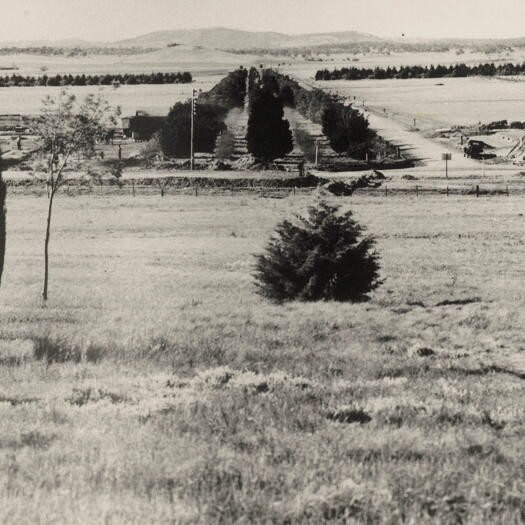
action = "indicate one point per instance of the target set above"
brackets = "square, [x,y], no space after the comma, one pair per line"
[323,256]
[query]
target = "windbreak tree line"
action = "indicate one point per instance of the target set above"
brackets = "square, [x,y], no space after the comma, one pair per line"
[345,127]
[96,80]
[439,71]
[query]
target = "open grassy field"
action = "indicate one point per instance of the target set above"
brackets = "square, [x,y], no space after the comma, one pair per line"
[195,59]
[156,99]
[198,402]
[458,101]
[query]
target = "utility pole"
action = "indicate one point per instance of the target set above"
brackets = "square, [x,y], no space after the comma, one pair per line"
[317,152]
[446,157]
[192,126]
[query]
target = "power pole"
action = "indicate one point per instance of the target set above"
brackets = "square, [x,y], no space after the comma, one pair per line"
[446,157]
[192,125]
[317,152]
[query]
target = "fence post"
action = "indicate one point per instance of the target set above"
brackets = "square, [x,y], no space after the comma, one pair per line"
[133,186]
[447,191]
[196,191]
[417,190]
[477,190]
[507,190]
[386,191]
[294,191]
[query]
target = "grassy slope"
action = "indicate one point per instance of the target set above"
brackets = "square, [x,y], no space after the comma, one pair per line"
[210,405]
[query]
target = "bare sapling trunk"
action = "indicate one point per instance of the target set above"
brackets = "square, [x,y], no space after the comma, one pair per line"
[46,245]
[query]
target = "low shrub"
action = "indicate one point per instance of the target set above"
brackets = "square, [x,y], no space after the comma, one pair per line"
[225,146]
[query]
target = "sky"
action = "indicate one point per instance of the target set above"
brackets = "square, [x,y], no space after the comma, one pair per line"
[109,20]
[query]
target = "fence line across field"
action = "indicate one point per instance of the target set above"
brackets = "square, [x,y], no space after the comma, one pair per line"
[75,187]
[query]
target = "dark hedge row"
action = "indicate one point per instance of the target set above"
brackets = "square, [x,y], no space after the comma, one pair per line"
[95,80]
[439,71]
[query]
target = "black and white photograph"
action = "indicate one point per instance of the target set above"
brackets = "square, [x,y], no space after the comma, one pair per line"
[262,262]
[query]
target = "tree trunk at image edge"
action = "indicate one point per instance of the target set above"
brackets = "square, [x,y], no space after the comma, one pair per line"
[46,247]
[3,192]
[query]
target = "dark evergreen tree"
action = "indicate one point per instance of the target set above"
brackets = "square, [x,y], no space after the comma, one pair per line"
[269,136]
[230,92]
[323,256]
[175,135]
[287,96]
[346,129]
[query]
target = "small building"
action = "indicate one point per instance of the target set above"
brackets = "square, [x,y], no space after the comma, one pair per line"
[142,126]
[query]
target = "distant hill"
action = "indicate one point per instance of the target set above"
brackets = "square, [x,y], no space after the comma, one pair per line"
[224,38]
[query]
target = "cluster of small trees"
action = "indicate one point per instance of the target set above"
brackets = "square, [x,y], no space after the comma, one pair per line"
[96,80]
[74,51]
[175,135]
[439,71]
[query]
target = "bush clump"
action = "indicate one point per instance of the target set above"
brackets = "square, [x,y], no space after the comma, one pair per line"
[323,256]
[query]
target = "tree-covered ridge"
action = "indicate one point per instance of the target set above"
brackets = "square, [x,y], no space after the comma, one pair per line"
[439,71]
[95,80]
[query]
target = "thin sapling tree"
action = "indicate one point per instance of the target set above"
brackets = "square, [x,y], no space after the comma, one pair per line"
[65,128]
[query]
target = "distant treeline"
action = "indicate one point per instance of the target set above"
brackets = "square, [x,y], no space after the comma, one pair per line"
[383,47]
[347,47]
[95,80]
[456,70]
[74,51]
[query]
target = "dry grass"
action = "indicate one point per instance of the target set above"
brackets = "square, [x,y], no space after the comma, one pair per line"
[437,102]
[197,402]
